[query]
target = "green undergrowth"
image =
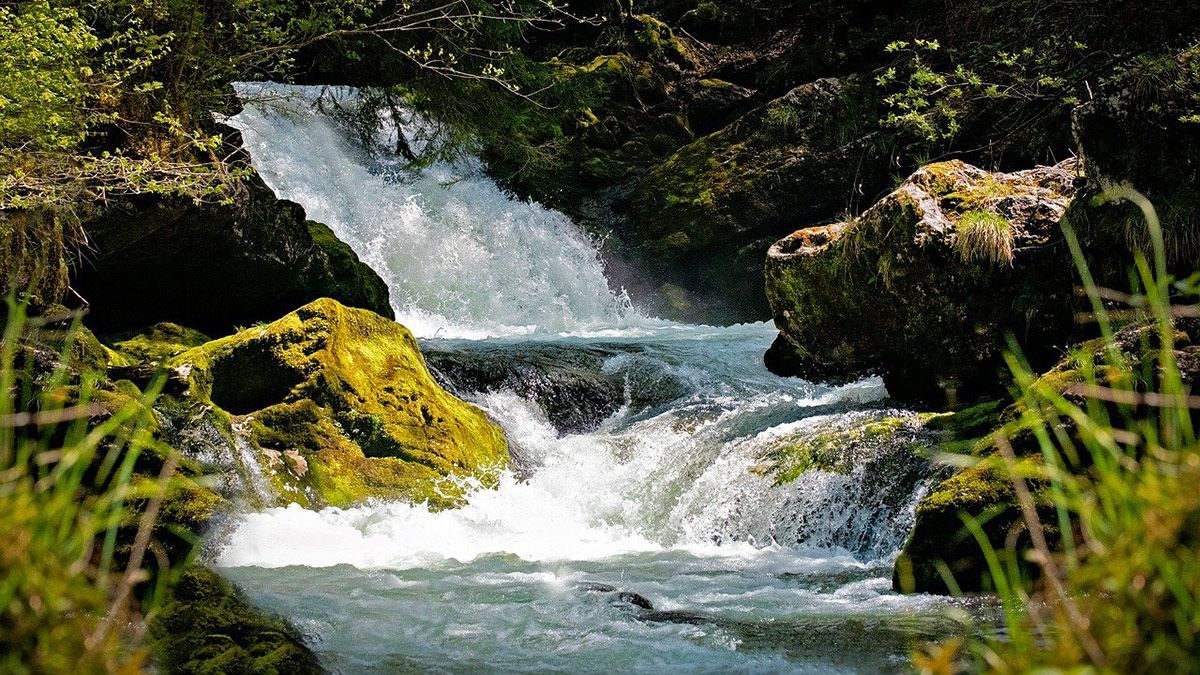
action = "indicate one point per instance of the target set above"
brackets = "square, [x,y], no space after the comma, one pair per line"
[1098,566]
[96,508]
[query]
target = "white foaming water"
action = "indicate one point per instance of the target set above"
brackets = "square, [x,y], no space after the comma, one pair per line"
[678,479]
[671,497]
[461,257]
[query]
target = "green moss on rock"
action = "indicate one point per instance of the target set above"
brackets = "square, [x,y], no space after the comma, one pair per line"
[341,407]
[838,446]
[158,343]
[210,629]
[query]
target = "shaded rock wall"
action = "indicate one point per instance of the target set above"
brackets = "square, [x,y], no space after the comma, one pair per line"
[214,267]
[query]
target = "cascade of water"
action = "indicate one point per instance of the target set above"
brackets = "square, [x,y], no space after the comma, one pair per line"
[461,257]
[678,494]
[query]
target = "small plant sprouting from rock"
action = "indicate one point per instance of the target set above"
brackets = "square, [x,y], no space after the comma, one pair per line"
[985,236]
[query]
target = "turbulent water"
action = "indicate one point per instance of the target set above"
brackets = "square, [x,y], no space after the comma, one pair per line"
[653,539]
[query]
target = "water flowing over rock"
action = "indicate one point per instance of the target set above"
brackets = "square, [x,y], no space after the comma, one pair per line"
[660,460]
[569,383]
[924,286]
[461,257]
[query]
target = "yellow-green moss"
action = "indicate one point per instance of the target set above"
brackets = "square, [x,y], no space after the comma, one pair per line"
[348,392]
[159,343]
[833,449]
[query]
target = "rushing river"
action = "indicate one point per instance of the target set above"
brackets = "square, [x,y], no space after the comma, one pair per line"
[643,534]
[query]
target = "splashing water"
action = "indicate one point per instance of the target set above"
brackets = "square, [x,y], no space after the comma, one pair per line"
[460,256]
[672,496]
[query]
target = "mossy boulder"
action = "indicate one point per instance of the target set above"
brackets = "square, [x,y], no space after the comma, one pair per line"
[215,266]
[924,286]
[209,628]
[339,406]
[842,443]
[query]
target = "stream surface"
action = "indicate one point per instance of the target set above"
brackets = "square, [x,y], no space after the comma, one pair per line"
[648,535]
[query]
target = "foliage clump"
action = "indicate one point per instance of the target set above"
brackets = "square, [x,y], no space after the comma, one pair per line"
[1106,572]
[983,235]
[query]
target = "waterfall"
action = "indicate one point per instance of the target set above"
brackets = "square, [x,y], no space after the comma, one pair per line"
[665,481]
[461,257]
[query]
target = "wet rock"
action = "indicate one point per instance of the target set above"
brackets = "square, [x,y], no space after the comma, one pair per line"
[924,286]
[567,381]
[616,597]
[867,467]
[215,266]
[677,616]
[632,599]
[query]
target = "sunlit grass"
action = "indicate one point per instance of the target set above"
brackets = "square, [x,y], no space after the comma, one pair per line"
[984,236]
[1120,472]
[71,575]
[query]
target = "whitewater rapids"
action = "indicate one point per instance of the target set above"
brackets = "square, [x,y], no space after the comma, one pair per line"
[666,497]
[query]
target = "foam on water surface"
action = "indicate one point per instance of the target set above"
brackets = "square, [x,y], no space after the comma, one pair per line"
[667,500]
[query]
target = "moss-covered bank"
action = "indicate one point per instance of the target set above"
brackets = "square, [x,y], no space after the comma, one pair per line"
[209,628]
[942,555]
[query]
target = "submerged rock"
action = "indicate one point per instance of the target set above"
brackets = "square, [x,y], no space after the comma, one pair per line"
[332,405]
[924,286]
[846,481]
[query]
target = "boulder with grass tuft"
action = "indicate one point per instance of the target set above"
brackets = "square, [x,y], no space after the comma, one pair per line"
[925,285]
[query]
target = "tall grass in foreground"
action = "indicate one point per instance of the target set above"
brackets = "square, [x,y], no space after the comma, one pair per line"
[75,520]
[1120,471]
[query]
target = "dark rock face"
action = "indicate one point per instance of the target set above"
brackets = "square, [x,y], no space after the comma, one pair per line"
[568,382]
[924,286]
[704,218]
[1124,142]
[214,267]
